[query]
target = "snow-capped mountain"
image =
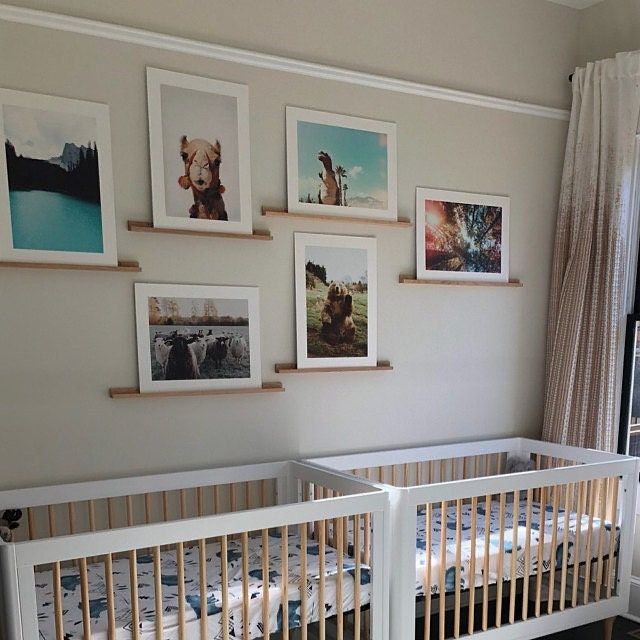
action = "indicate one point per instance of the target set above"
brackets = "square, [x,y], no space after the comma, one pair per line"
[70,156]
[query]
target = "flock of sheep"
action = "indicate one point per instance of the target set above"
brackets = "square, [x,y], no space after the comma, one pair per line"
[183,355]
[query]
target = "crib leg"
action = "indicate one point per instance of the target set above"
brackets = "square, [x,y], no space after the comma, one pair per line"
[608,628]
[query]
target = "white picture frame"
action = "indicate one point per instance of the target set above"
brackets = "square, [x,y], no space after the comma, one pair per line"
[204,110]
[183,296]
[314,350]
[310,132]
[433,267]
[53,131]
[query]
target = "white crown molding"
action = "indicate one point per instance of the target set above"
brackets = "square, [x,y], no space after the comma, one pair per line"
[142,37]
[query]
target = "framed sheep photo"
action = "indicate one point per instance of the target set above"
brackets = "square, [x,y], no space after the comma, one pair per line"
[336,301]
[341,165]
[199,147]
[56,183]
[193,337]
[461,236]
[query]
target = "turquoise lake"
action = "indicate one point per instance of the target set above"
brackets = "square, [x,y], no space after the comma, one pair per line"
[52,221]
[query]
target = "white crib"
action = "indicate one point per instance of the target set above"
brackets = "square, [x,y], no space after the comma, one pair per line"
[570,520]
[185,555]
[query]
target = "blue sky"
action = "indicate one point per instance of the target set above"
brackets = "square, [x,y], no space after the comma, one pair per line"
[342,263]
[362,153]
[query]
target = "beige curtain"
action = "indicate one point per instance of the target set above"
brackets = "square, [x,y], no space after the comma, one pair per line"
[586,304]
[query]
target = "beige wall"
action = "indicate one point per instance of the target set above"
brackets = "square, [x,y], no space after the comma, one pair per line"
[607,28]
[469,361]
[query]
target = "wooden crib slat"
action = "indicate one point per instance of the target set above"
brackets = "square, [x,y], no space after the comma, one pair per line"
[71,508]
[263,493]
[442,569]
[31,525]
[568,498]
[129,504]
[601,532]
[232,498]
[458,570]
[216,499]
[247,495]
[514,555]
[57,600]
[165,506]
[321,562]
[304,619]
[500,570]
[157,592]
[183,503]
[485,567]
[284,572]
[84,590]
[265,583]
[52,520]
[147,508]
[540,557]
[182,631]
[357,578]
[367,538]
[91,508]
[527,555]
[244,537]
[111,609]
[594,488]
[576,558]
[133,592]
[204,616]
[612,537]
[472,563]
[428,526]
[224,580]
[339,579]
[554,545]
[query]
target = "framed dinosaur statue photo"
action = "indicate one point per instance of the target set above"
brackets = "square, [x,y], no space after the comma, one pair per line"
[341,165]
[199,148]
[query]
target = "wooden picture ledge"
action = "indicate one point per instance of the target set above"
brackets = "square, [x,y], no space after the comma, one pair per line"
[122,266]
[407,279]
[383,365]
[271,212]
[119,393]
[141,226]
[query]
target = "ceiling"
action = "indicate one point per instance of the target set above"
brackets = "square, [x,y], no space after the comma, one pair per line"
[577,4]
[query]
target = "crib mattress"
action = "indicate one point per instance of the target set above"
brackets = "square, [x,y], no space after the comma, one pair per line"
[493,522]
[71,592]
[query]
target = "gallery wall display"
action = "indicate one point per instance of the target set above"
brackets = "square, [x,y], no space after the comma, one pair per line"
[196,337]
[461,236]
[56,183]
[199,146]
[336,300]
[341,165]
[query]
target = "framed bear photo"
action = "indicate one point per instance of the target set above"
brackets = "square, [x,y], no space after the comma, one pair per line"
[340,165]
[336,301]
[199,147]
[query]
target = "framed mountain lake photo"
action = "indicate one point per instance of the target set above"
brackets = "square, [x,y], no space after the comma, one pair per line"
[56,184]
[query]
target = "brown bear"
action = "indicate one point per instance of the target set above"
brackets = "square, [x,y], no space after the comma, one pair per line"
[336,315]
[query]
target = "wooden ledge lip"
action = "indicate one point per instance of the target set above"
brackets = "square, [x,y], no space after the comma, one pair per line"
[118,393]
[147,227]
[291,367]
[407,279]
[122,266]
[272,212]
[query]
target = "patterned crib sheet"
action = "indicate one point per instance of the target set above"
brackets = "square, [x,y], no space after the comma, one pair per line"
[466,580]
[71,592]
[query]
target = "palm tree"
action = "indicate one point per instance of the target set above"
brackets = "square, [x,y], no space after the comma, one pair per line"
[341,173]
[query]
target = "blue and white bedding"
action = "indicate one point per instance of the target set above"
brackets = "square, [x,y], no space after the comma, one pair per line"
[71,592]
[493,521]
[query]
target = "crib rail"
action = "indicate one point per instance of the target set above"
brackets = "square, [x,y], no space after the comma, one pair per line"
[558,569]
[348,528]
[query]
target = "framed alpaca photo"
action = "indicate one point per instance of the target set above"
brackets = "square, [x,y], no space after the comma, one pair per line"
[336,301]
[194,337]
[461,236]
[56,183]
[341,165]
[199,146]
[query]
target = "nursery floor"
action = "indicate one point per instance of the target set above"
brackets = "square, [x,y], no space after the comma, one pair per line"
[623,630]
